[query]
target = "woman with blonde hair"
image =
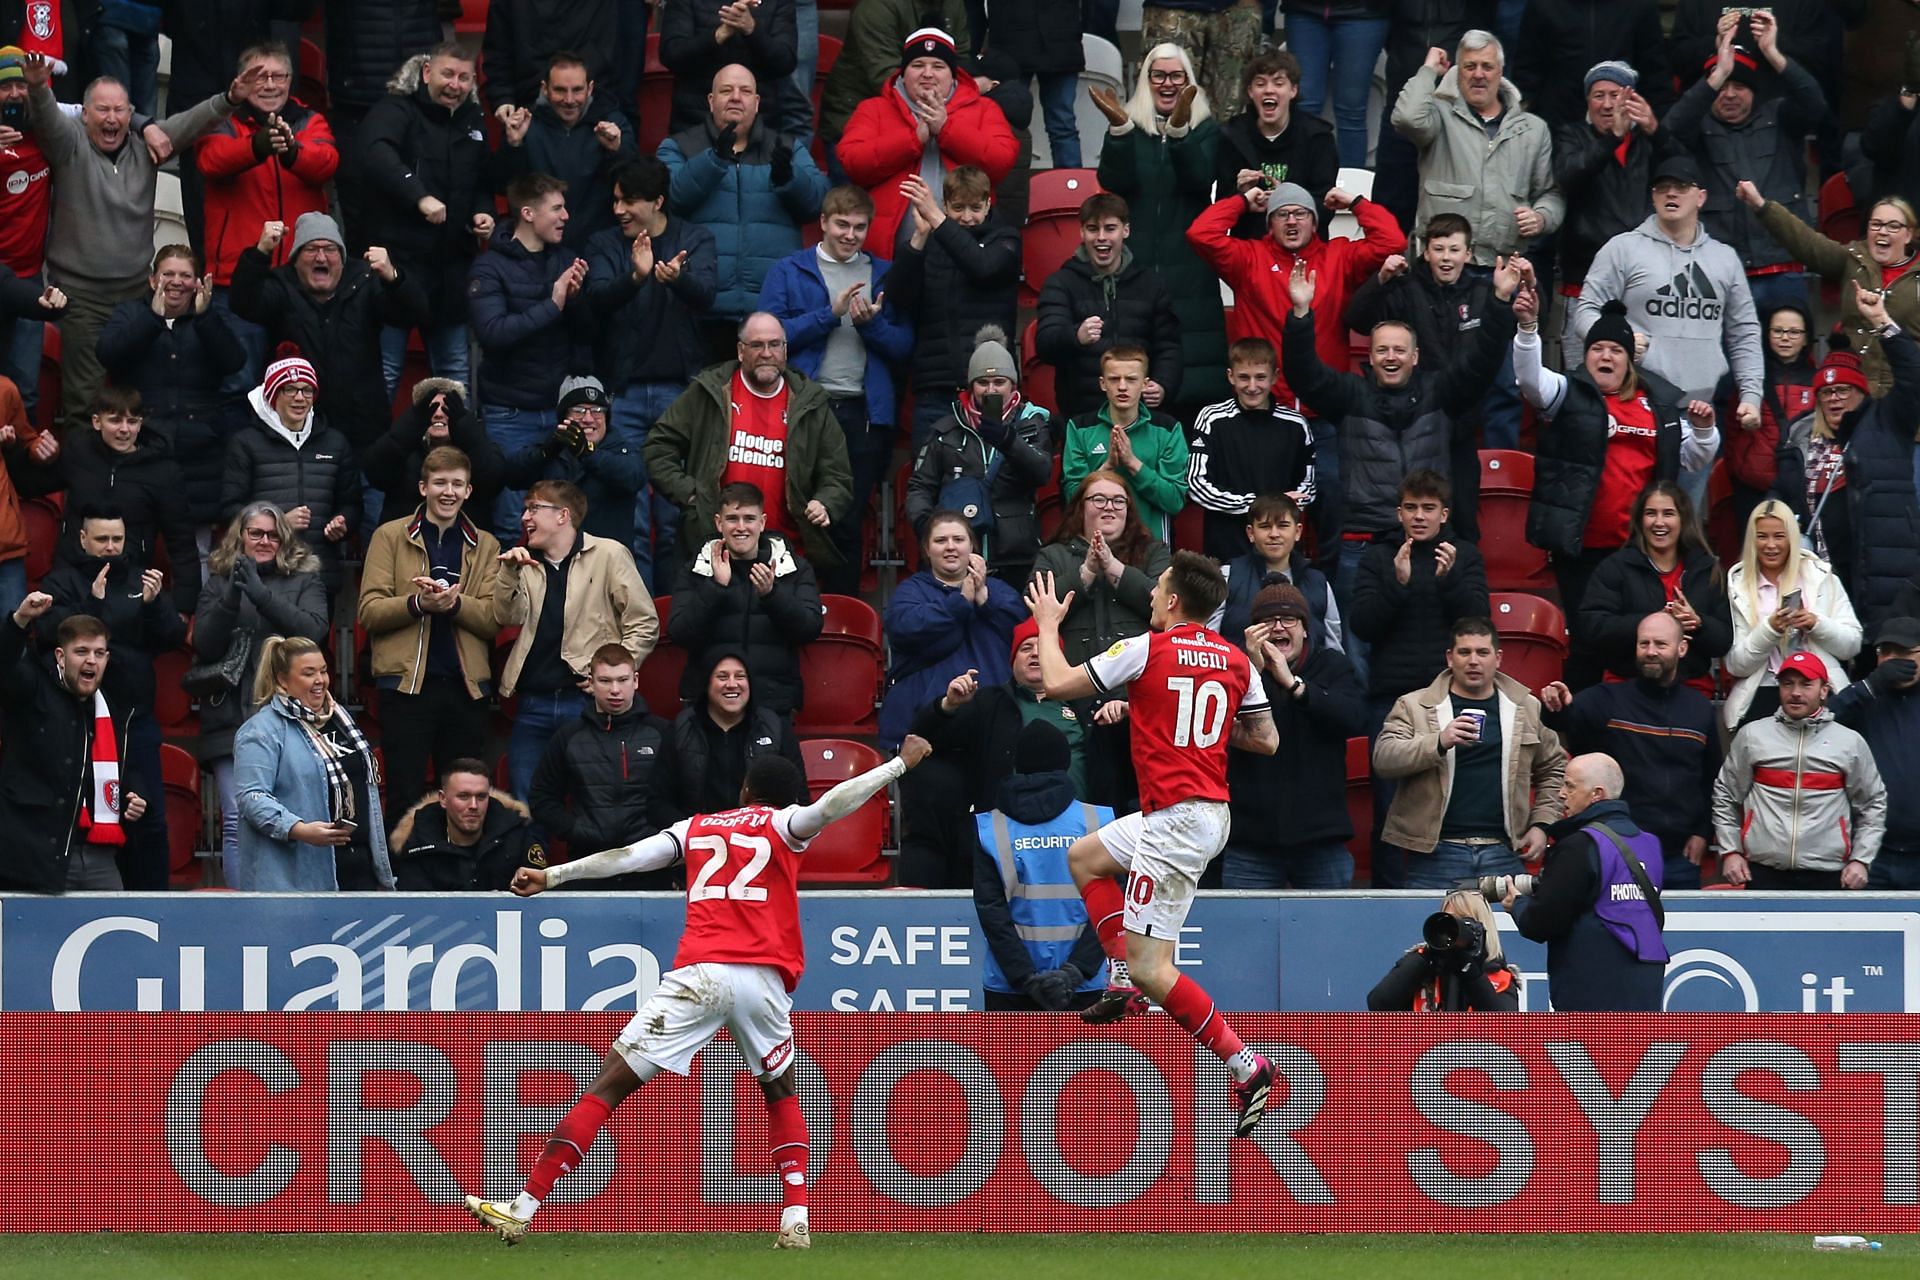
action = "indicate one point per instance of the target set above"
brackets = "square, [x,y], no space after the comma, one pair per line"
[1459,967]
[262,580]
[309,788]
[1783,599]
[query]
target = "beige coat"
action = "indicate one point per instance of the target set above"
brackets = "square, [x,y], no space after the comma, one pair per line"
[1408,750]
[606,603]
[395,557]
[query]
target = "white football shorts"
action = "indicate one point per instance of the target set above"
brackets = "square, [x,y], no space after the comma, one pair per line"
[690,1006]
[1164,853]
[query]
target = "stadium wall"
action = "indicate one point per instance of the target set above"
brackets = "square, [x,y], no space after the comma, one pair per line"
[944,1122]
[867,952]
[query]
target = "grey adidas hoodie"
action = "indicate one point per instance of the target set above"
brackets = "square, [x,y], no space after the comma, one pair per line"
[1692,302]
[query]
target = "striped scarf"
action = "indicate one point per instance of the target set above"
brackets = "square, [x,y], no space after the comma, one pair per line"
[341,803]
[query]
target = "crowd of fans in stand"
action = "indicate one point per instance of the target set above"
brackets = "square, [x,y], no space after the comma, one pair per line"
[686,375]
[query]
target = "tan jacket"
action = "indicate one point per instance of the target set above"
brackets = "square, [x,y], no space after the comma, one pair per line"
[1408,750]
[606,603]
[395,557]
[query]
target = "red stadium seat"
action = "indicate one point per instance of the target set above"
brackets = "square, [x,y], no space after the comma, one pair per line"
[472,19]
[1360,809]
[1725,533]
[172,707]
[312,74]
[842,671]
[1506,490]
[659,675]
[42,518]
[851,850]
[186,819]
[1052,232]
[829,57]
[1533,638]
[1036,376]
[1190,528]
[656,99]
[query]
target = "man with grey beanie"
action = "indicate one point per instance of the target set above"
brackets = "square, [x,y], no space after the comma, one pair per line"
[1603,164]
[992,453]
[332,308]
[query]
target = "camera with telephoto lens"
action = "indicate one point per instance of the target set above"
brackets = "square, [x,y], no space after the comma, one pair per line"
[1495,887]
[1454,942]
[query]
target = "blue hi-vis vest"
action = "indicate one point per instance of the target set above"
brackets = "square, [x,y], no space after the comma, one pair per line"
[1046,907]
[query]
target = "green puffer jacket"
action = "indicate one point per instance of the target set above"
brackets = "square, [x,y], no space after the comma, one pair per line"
[1166,182]
[1106,611]
[686,455]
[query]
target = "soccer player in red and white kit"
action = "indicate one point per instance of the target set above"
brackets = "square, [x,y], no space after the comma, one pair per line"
[739,961]
[1184,684]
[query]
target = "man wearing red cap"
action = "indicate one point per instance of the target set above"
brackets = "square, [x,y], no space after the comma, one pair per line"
[1799,803]
[927,120]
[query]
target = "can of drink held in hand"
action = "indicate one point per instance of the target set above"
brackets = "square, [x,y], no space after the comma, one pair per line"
[1479,719]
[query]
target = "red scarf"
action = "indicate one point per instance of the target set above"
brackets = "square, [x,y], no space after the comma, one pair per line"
[100,820]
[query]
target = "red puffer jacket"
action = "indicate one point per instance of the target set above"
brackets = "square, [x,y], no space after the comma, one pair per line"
[244,192]
[880,149]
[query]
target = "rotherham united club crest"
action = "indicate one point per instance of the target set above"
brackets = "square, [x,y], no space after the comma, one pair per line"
[113,796]
[40,19]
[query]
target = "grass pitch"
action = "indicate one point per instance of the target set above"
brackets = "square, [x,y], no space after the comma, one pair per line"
[563,1256]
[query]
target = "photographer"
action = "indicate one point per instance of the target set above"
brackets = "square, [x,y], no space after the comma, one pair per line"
[1459,967]
[1596,902]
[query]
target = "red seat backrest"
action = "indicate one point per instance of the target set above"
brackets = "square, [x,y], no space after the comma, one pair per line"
[850,851]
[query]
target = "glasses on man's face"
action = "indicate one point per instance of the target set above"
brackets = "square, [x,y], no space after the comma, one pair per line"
[273,77]
[1293,215]
[1109,501]
[299,391]
[772,344]
[1166,77]
[1880,224]
[262,535]
[543,506]
[1787,333]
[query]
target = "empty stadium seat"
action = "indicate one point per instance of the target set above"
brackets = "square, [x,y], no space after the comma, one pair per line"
[1726,532]
[1190,528]
[312,74]
[1036,376]
[852,850]
[42,519]
[172,707]
[1533,638]
[185,815]
[1506,490]
[656,100]
[842,671]
[1356,183]
[659,676]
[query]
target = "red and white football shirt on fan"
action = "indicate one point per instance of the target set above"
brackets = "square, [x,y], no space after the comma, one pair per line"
[1182,685]
[743,898]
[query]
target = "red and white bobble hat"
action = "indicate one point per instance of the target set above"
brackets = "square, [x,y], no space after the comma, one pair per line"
[930,42]
[284,372]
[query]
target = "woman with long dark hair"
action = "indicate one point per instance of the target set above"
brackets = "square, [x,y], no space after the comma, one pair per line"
[1668,567]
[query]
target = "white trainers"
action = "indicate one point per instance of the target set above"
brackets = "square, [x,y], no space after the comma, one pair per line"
[498,1215]
[793,1231]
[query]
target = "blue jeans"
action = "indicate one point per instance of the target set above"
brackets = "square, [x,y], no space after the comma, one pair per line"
[1396,169]
[1345,573]
[20,358]
[252,337]
[1787,288]
[655,520]
[1341,53]
[513,430]
[796,106]
[536,716]
[1325,865]
[446,355]
[1506,25]
[1058,94]
[132,58]
[1500,410]
[1450,864]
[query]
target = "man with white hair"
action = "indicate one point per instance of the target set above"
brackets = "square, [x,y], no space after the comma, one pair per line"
[1596,902]
[101,233]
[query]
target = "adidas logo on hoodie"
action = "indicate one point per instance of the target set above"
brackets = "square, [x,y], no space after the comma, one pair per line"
[1690,295]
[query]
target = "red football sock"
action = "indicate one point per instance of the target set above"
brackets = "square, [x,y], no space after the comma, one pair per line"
[1190,1006]
[787,1140]
[569,1144]
[1107,908]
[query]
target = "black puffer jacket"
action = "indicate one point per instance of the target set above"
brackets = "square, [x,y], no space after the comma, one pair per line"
[522,34]
[141,630]
[605,781]
[146,486]
[1043,39]
[1411,626]
[530,344]
[1626,588]
[321,475]
[209,35]
[1305,154]
[710,763]
[1021,459]
[339,335]
[1560,39]
[1604,197]
[284,604]
[367,39]
[178,368]
[392,462]
[769,629]
[1443,316]
[1299,794]
[962,281]
[411,147]
[573,154]
[687,47]
[1141,314]
[425,861]
[1572,454]
[43,762]
[649,331]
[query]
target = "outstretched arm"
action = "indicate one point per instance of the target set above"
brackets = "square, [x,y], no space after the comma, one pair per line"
[806,821]
[661,849]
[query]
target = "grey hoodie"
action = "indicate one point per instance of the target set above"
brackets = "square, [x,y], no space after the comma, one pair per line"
[1692,302]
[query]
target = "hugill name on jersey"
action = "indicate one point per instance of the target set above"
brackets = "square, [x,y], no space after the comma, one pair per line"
[1207,658]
